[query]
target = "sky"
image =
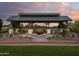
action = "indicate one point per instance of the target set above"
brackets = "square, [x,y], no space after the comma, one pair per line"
[70,9]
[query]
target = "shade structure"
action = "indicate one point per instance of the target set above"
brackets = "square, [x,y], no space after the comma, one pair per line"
[39,17]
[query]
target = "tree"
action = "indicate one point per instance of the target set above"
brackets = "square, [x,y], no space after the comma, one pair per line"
[1,23]
[75,28]
[65,31]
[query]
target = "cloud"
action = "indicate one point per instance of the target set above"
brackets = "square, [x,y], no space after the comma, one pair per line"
[74,14]
[12,8]
[65,9]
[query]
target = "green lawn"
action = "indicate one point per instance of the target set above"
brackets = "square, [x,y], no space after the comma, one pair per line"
[40,50]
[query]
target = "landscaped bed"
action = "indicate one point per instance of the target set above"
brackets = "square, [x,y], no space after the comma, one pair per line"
[40,50]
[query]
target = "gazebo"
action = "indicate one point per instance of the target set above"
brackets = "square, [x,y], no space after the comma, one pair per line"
[32,18]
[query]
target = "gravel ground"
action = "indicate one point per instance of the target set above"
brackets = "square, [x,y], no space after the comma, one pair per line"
[39,40]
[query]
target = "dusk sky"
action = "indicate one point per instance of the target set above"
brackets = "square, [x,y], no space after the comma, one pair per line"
[70,9]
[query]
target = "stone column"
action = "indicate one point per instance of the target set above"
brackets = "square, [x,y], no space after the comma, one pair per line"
[10,31]
[53,31]
[48,31]
[61,30]
[17,30]
[30,31]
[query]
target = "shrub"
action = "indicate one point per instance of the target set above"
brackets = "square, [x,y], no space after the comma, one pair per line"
[39,30]
[49,38]
[53,36]
[65,31]
[73,35]
[29,38]
[75,28]
[26,37]
[0,32]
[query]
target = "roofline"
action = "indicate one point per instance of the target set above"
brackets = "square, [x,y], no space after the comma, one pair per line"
[39,14]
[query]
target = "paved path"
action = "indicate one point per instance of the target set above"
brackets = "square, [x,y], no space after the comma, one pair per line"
[38,40]
[38,44]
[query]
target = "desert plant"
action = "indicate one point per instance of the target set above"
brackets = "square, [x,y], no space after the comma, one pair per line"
[75,28]
[39,30]
[53,36]
[49,38]
[73,35]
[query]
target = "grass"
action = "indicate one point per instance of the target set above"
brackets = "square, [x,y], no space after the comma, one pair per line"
[39,50]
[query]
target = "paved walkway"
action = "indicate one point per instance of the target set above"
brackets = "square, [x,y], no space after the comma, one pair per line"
[38,40]
[39,44]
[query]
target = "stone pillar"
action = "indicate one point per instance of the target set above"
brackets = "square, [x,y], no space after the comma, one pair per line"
[30,31]
[10,31]
[48,31]
[53,31]
[61,30]
[16,30]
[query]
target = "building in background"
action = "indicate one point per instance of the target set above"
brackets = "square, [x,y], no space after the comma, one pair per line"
[32,18]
